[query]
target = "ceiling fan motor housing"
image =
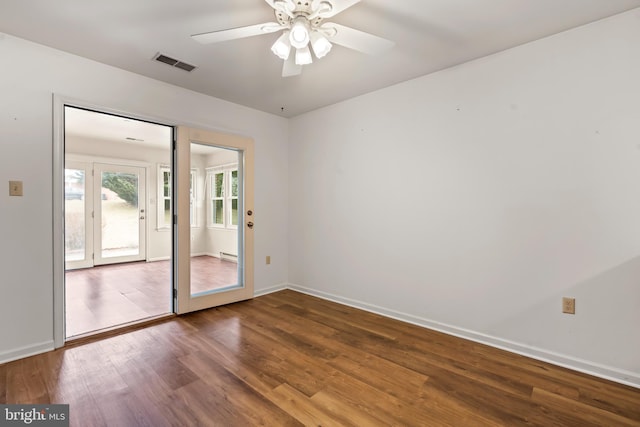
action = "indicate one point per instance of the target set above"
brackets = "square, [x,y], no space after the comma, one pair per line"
[286,11]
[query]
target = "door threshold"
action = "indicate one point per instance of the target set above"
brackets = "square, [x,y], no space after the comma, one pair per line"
[113,331]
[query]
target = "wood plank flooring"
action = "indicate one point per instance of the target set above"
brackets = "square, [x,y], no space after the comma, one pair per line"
[288,359]
[110,295]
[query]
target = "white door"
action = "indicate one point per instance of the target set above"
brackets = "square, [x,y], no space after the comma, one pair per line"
[119,195]
[215,219]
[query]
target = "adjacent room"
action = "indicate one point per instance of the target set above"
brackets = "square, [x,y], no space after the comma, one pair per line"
[118,228]
[336,212]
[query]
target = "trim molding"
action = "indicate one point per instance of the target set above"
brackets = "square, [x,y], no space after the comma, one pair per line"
[22,352]
[606,372]
[159,258]
[271,289]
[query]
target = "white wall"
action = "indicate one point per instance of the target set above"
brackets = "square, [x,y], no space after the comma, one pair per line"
[31,73]
[471,200]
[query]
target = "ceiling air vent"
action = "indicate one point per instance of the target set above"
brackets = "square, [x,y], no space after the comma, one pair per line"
[174,62]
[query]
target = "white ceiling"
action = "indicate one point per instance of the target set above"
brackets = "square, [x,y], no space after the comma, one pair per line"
[122,130]
[430,35]
[101,126]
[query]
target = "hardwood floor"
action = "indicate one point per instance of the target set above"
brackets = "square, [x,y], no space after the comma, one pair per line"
[110,295]
[288,359]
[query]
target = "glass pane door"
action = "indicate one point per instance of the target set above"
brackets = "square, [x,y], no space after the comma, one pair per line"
[215,220]
[119,197]
[216,262]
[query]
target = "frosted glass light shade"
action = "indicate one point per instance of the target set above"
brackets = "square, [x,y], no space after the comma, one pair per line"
[321,46]
[303,56]
[281,48]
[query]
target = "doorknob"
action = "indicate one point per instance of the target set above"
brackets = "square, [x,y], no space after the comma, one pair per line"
[250,224]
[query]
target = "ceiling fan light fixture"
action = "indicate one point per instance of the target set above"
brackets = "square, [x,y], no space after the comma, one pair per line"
[321,46]
[303,56]
[299,35]
[282,47]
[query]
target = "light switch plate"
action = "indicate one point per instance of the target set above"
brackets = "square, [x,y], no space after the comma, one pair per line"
[15,188]
[569,305]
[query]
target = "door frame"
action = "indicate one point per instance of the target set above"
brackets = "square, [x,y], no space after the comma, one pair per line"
[59,102]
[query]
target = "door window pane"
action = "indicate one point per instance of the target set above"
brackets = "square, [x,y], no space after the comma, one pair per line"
[216,260]
[120,215]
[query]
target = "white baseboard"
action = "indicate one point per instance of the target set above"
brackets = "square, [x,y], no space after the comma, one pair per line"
[618,375]
[202,254]
[22,352]
[166,258]
[270,290]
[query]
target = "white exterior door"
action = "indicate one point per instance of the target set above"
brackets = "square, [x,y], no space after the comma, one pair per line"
[119,195]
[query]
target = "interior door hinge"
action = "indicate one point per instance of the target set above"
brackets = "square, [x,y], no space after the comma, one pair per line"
[175,293]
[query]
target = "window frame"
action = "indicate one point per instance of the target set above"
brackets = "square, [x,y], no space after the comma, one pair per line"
[227,196]
[161,224]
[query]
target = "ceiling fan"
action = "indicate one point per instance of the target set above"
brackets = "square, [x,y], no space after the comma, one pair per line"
[302,25]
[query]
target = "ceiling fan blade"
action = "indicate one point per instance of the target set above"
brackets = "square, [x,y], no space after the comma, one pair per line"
[290,68]
[356,39]
[237,33]
[337,6]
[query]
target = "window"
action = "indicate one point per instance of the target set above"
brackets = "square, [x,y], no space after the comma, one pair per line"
[164,197]
[233,197]
[223,197]
[217,199]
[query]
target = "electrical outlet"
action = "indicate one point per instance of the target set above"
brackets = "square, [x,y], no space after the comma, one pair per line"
[15,188]
[268,261]
[569,305]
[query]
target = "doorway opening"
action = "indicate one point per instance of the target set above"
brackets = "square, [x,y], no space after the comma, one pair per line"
[150,219]
[118,242]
